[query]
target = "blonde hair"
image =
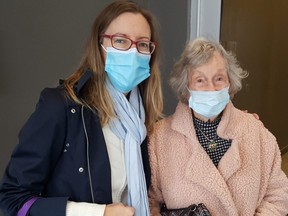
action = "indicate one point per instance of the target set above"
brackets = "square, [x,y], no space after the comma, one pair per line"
[94,94]
[197,53]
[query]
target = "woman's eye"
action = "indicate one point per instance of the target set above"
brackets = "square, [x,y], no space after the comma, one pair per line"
[143,44]
[220,78]
[120,41]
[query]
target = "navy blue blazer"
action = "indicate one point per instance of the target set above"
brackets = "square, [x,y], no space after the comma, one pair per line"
[61,155]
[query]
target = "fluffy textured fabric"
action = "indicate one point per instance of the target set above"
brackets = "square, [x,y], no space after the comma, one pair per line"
[248,180]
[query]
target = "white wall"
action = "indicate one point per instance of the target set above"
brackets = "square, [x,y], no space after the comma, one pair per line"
[205,19]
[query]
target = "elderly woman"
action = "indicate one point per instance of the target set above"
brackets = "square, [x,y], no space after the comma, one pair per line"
[210,152]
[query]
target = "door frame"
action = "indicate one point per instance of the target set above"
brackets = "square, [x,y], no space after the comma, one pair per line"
[204,19]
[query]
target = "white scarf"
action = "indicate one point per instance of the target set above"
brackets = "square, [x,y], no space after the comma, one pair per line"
[129,126]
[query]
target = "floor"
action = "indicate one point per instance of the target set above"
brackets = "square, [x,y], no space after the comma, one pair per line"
[285,163]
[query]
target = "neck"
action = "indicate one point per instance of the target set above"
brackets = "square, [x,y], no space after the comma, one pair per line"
[204,118]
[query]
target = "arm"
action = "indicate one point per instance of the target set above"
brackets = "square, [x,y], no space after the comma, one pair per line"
[83,208]
[153,203]
[40,145]
[275,200]
[155,195]
[91,209]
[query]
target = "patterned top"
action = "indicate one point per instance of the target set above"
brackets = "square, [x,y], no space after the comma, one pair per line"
[206,134]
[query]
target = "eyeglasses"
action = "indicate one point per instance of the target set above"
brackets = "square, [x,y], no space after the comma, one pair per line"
[124,43]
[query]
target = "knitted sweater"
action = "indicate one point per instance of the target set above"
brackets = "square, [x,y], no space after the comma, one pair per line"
[248,180]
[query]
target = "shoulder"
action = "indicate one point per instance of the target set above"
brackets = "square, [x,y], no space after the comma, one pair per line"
[53,99]
[256,137]
[235,119]
[52,95]
[249,123]
[161,132]
[249,126]
[51,106]
[162,126]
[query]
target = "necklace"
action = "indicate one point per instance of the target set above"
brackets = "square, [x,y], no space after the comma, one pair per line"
[212,145]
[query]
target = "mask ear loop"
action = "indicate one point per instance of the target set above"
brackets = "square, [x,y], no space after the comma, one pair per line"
[103,47]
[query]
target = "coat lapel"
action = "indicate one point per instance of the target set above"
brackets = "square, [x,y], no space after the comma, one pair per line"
[230,163]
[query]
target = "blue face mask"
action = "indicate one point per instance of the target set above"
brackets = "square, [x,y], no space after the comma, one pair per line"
[209,103]
[126,69]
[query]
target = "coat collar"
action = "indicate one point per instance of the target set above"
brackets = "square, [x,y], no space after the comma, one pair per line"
[182,122]
[83,80]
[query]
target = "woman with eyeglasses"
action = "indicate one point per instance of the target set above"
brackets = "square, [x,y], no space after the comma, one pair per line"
[83,151]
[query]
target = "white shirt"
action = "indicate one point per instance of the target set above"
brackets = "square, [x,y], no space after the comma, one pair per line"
[116,155]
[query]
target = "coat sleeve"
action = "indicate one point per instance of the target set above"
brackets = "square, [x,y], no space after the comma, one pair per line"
[40,145]
[275,194]
[155,195]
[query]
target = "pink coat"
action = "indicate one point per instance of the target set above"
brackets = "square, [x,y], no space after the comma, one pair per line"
[248,180]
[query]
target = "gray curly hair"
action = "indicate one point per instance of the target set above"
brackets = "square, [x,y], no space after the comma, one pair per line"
[197,53]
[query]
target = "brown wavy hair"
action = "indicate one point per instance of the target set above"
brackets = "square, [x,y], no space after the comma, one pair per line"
[94,94]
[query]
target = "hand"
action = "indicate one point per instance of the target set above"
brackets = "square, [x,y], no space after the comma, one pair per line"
[254,114]
[118,209]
